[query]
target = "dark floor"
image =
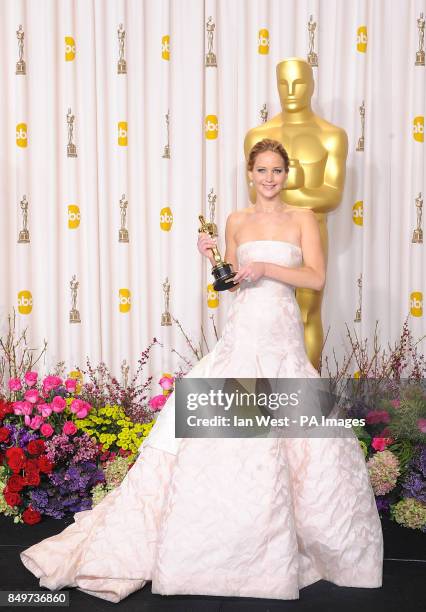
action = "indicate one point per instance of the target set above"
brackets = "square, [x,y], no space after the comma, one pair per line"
[404,581]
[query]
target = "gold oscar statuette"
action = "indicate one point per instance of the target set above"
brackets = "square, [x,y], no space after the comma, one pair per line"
[123,233]
[20,64]
[74,314]
[418,232]
[222,271]
[210,56]
[24,234]
[317,150]
[361,141]
[420,53]
[121,64]
[166,154]
[359,309]
[71,148]
[312,56]
[166,317]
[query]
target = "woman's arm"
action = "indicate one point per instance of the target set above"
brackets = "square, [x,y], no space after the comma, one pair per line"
[311,275]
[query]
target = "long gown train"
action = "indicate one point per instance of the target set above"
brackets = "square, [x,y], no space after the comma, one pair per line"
[260,517]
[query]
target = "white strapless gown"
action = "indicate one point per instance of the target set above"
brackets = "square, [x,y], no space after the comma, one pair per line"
[260,517]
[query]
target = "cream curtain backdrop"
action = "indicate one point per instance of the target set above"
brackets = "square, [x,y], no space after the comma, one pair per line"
[366,52]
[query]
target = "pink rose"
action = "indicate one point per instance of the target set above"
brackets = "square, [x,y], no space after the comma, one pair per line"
[166,382]
[69,428]
[377,416]
[21,408]
[71,384]
[33,423]
[157,402]
[15,384]
[46,430]
[421,423]
[80,408]
[395,403]
[31,395]
[379,444]
[31,378]
[51,382]
[58,404]
[45,410]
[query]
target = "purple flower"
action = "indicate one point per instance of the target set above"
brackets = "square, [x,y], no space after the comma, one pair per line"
[383,504]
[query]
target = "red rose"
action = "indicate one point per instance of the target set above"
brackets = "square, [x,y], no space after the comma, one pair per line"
[36,447]
[31,516]
[45,465]
[15,458]
[5,408]
[13,499]
[32,478]
[15,483]
[4,434]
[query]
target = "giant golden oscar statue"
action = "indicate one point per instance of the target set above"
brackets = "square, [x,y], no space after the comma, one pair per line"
[317,151]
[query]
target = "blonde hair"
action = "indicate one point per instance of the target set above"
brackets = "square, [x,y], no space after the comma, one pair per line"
[267,144]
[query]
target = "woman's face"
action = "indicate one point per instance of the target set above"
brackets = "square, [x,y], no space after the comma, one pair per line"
[268,174]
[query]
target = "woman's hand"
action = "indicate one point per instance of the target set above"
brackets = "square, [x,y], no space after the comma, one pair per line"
[205,243]
[250,272]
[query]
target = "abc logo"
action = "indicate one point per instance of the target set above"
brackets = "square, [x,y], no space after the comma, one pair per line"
[78,376]
[73,216]
[25,302]
[357,374]
[165,47]
[166,219]
[69,48]
[419,128]
[211,127]
[358,212]
[21,135]
[263,42]
[212,297]
[361,39]
[122,133]
[416,304]
[124,300]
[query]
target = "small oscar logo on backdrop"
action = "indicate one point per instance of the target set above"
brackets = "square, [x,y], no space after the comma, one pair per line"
[123,233]
[73,216]
[418,128]
[416,304]
[121,64]
[420,53]
[166,219]
[71,148]
[25,302]
[24,234]
[74,313]
[361,139]
[165,47]
[166,153]
[122,133]
[21,135]
[263,42]
[312,56]
[166,317]
[124,300]
[264,114]
[361,39]
[358,213]
[210,56]
[418,232]
[69,48]
[211,127]
[212,297]
[358,312]
[20,64]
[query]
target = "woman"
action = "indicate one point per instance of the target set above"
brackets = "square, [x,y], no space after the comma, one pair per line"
[259,517]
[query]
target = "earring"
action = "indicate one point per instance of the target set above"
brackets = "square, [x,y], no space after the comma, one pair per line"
[251,184]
